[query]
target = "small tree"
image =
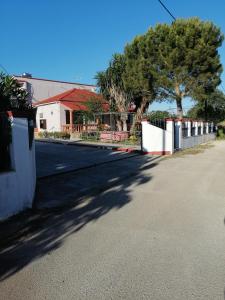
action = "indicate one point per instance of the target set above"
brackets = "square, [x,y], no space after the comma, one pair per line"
[12,96]
[94,105]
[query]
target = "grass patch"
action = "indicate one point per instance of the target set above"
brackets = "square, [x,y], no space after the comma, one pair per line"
[193,151]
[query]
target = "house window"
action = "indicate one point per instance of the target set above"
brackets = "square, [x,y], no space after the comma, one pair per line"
[43,124]
[41,115]
[67,112]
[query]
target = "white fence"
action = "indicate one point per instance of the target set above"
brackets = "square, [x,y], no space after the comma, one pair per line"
[17,186]
[177,135]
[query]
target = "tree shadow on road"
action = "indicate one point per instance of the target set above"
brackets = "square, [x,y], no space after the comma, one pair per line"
[44,230]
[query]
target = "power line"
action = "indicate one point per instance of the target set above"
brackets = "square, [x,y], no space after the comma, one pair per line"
[167,10]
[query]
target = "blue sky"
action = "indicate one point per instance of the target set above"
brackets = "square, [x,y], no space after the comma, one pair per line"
[72,40]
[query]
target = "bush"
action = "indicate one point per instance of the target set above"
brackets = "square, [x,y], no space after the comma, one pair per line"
[54,135]
[91,136]
[157,115]
[221,133]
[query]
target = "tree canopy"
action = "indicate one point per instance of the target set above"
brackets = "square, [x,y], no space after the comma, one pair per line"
[211,110]
[168,63]
[184,59]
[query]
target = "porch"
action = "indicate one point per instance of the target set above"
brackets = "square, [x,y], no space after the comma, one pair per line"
[104,127]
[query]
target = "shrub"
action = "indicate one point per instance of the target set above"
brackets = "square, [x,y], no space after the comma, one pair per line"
[220,133]
[92,136]
[54,135]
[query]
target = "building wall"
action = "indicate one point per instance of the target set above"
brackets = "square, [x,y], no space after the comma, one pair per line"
[43,89]
[17,187]
[63,114]
[52,114]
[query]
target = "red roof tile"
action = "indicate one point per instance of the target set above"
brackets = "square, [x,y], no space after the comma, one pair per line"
[73,99]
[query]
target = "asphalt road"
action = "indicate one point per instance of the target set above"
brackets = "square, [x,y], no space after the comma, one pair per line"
[157,235]
[56,158]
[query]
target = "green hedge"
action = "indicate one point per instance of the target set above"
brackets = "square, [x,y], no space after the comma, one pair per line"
[54,135]
[220,133]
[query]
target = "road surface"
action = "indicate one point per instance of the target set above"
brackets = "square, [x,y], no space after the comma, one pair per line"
[157,235]
[54,158]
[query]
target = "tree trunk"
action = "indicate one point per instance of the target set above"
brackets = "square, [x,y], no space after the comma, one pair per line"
[119,125]
[179,100]
[139,114]
[179,108]
[124,125]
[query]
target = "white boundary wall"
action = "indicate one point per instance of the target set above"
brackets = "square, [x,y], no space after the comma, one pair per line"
[157,141]
[17,187]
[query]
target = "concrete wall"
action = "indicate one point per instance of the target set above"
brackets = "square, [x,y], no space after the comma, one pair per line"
[17,187]
[43,88]
[52,113]
[157,141]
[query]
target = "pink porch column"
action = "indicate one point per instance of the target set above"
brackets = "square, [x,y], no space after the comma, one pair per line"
[71,120]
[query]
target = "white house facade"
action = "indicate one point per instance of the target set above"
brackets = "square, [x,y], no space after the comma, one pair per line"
[51,117]
[63,110]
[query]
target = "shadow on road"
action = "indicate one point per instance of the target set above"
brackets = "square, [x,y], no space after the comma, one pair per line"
[42,231]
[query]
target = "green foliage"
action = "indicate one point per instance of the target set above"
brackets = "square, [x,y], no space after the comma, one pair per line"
[138,76]
[111,84]
[90,136]
[221,130]
[54,135]
[12,96]
[94,105]
[168,63]
[158,115]
[212,109]
[221,133]
[174,61]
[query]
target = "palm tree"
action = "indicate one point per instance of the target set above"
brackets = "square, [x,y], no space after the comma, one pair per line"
[110,83]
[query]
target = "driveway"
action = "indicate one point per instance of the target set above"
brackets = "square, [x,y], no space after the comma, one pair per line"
[158,234]
[54,158]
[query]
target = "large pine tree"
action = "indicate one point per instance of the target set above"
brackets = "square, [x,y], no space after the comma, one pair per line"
[185,59]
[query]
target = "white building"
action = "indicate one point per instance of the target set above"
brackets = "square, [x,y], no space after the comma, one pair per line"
[60,112]
[40,88]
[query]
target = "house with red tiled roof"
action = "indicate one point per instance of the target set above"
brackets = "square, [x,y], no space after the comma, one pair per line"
[61,111]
